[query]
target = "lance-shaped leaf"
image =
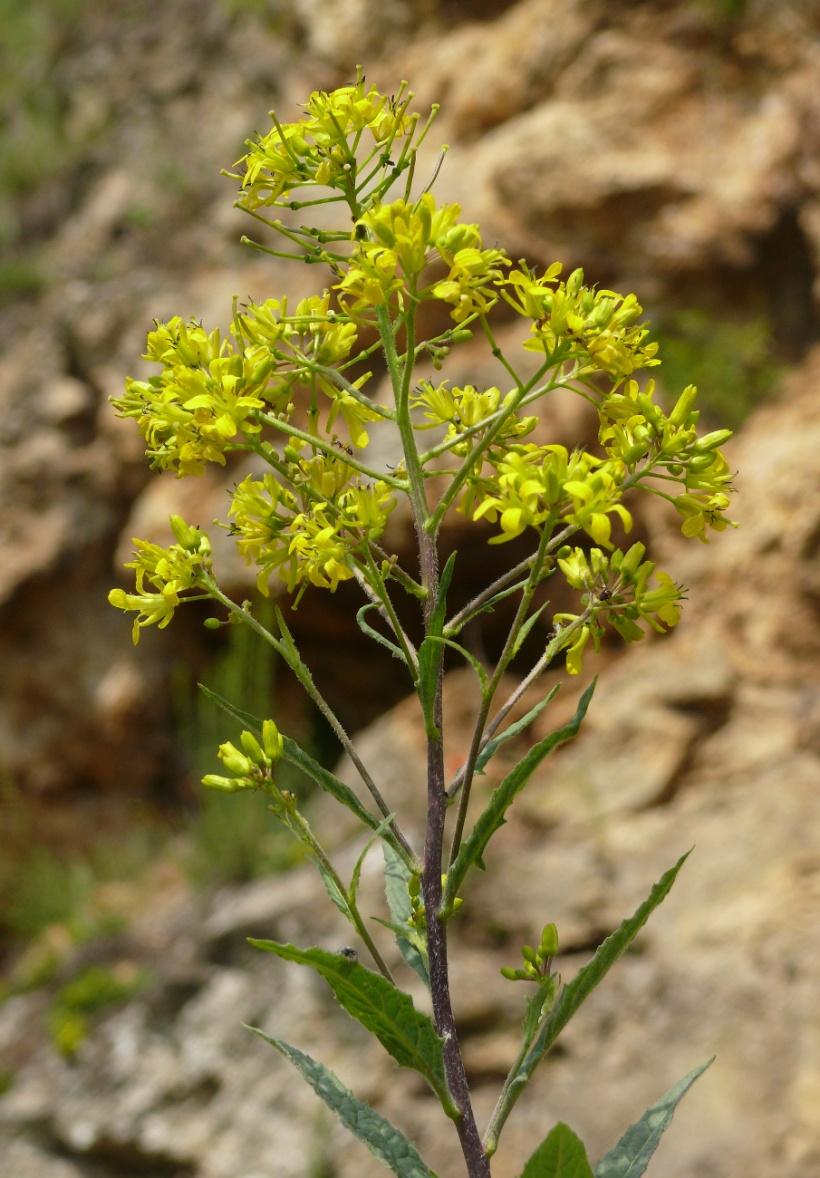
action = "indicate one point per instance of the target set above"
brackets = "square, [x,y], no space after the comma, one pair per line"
[560,1155]
[571,997]
[504,795]
[431,651]
[492,746]
[380,1137]
[607,953]
[383,1009]
[396,879]
[356,878]
[468,656]
[631,1155]
[245,718]
[367,629]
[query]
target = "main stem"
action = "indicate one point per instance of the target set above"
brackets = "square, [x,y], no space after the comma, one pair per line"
[478,1165]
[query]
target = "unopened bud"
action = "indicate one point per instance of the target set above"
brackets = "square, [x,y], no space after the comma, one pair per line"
[272,740]
[252,747]
[711,441]
[232,759]
[549,941]
[226,784]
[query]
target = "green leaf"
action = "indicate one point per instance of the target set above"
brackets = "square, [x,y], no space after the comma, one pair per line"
[355,880]
[487,607]
[431,652]
[289,651]
[388,1013]
[494,744]
[333,890]
[526,627]
[437,617]
[396,878]
[367,629]
[560,1155]
[380,1137]
[594,972]
[534,1011]
[469,657]
[502,797]
[632,1154]
[244,718]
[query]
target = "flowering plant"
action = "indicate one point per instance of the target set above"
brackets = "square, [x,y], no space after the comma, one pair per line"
[291,386]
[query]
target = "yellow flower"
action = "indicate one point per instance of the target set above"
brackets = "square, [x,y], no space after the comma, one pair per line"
[169,572]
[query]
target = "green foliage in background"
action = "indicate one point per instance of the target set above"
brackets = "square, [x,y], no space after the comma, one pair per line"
[732,360]
[89,993]
[35,142]
[299,388]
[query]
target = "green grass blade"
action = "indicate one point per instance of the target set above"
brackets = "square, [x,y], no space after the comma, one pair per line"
[380,1137]
[560,1155]
[493,817]
[632,1154]
[384,1010]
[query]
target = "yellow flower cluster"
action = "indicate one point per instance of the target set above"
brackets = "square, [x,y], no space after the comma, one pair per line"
[635,430]
[466,409]
[207,398]
[339,133]
[169,573]
[615,590]
[205,395]
[599,328]
[536,484]
[312,542]
[397,241]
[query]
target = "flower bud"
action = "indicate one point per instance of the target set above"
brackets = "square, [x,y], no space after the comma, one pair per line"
[711,441]
[226,784]
[512,975]
[272,740]
[252,747]
[233,760]
[549,941]
[683,405]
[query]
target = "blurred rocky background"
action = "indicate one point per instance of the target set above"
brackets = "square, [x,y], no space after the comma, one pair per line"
[667,146]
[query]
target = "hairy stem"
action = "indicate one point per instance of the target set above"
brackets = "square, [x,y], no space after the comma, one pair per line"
[431,883]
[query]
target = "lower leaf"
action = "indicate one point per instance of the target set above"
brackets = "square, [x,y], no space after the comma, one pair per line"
[631,1155]
[560,1155]
[381,1138]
